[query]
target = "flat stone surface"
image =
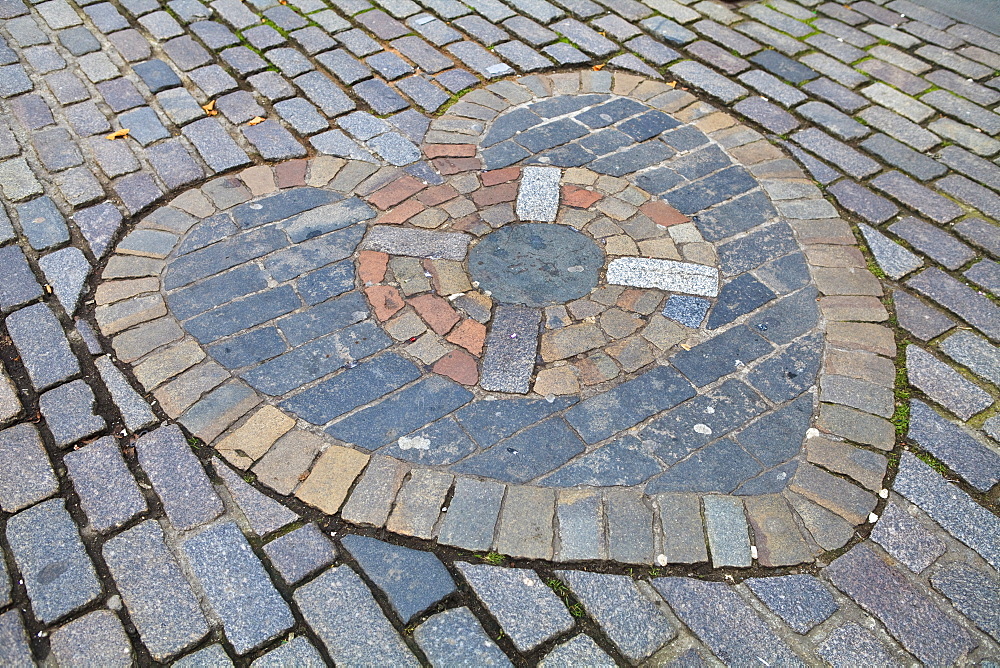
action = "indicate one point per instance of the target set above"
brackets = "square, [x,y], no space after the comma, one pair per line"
[361,636]
[535,264]
[300,553]
[58,575]
[909,615]
[960,451]
[96,468]
[972,591]
[159,599]
[187,494]
[413,581]
[802,601]
[28,476]
[527,610]
[457,636]
[43,347]
[666,275]
[69,411]
[538,194]
[724,622]
[97,636]
[237,586]
[630,619]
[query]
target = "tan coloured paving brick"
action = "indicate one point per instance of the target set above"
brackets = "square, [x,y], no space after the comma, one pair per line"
[331,478]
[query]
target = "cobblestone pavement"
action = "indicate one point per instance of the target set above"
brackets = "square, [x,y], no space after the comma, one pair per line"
[486,333]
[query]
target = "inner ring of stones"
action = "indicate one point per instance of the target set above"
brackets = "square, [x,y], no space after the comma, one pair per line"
[346,306]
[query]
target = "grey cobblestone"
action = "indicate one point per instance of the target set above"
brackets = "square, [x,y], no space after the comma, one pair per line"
[96,468]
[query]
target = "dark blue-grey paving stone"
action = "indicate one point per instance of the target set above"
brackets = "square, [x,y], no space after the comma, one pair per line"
[624,406]
[216,291]
[648,125]
[740,296]
[756,248]
[909,615]
[802,601]
[18,284]
[352,388]
[503,154]
[282,205]
[611,112]
[27,476]
[55,149]
[218,257]
[551,134]
[14,649]
[718,467]
[69,412]
[413,581]
[323,318]
[973,592]
[318,358]
[906,539]
[314,253]
[936,243]
[975,308]
[633,623]
[828,148]
[57,573]
[296,652]
[439,443]
[921,320]
[719,187]
[174,164]
[237,586]
[43,346]
[242,314]
[773,481]
[783,66]
[215,146]
[778,436]
[144,126]
[455,637]
[974,461]
[527,610]
[700,163]
[379,96]
[509,124]
[79,41]
[262,513]
[42,223]
[625,461]
[605,141]
[157,75]
[248,348]
[355,632]
[178,478]
[137,191]
[568,155]
[322,284]
[742,214]
[558,105]
[488,422]
[96,468]
[687,310]
[301,553]
[530,264]
[632,159]
[724,622]
[789,318]
[713,359]
[159,599]
[705,418]
[684,138]
[401,413]
[524,457]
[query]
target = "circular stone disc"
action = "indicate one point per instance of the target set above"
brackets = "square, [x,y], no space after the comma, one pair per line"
[536,264]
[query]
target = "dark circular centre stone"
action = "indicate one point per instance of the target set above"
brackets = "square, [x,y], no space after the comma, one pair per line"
[536,264]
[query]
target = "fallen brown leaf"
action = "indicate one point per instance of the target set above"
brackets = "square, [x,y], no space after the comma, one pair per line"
[117,134]
[256,120]
[210,108]
[598,68]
